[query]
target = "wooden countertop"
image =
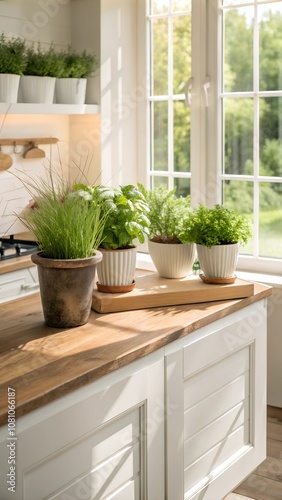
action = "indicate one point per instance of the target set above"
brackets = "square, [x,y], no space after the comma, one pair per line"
[43,363]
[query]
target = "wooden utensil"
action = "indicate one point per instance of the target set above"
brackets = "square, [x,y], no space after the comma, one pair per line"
[6,161]
[34,152]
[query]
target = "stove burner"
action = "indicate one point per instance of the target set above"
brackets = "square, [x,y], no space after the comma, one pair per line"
[11,247]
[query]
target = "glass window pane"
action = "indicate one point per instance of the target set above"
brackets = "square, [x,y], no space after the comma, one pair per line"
[157,181]
[181,5]
[270,230]
[160,56]
[181,52]
[271,136]
[181,137]
[159,6]
[238,50]
[238,140]
[238,195]
[160,131]
[270,29]
[234,2]
[183,186]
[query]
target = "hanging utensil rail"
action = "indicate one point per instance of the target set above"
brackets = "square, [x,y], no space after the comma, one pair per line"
[28,142]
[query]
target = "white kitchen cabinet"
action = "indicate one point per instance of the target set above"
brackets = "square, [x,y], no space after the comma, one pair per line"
[216,406]
[186,422]
[19,283]
[105,440]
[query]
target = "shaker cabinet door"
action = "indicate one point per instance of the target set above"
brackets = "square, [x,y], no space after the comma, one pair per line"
[104,441]
[216,394]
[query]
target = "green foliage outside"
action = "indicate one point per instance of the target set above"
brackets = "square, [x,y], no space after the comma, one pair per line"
[238,113]
[12,60]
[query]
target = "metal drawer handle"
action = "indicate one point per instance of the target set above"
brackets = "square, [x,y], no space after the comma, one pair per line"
[30,287]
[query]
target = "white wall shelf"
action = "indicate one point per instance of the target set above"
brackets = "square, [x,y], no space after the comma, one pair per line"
[49,109]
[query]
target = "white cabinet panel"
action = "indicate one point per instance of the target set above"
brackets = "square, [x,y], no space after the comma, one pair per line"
[216,387]
[105,440]
[97,464]
[18,284]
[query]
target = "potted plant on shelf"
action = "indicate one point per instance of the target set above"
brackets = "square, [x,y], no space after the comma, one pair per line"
[75,68]
[37,85]
[12,66]
[68,226]
[127,221]
[217,232]
[172,254]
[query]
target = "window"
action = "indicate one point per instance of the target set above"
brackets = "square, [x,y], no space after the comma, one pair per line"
[170,70]
[224,58]
[251,121]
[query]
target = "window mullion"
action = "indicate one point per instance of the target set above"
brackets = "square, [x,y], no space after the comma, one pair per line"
[256,152]
[170,97]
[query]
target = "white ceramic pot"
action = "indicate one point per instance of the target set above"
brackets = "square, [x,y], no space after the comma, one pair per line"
[37,89]
[9,87]
[172,260]
[219,261]
[117,267]
[70,90]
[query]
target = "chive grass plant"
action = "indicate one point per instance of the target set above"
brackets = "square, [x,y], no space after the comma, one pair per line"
[66,224]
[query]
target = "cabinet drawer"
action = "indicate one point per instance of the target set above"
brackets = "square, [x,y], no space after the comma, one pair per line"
[18,284]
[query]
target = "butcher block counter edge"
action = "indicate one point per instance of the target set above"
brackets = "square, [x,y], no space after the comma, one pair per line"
[42,364]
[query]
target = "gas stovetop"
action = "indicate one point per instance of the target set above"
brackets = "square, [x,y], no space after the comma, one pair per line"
[11,247]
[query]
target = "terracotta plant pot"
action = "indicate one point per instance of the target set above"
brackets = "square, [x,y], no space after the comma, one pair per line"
[66,288]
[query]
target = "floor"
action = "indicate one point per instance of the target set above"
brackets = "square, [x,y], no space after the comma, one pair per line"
[266,481]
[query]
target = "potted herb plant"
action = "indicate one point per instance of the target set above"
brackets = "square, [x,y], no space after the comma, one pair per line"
[42,67]
[127,221]
[12,66]
[171,253]
[75,68]
[217,232]
[68,226]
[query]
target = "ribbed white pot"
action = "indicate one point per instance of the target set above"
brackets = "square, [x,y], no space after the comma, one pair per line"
[172,260]
[70,90]
[9,87]
[117,268]
[37,89]
[219,261]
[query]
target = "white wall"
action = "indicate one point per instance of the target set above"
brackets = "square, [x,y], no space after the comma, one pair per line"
[274,346]
[47,22]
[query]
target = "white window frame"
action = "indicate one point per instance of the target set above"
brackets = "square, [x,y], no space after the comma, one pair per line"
[206,175]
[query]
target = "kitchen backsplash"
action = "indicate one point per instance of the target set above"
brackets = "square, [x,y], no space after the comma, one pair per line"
[13,196]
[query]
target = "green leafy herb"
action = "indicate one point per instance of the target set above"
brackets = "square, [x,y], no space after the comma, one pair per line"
[217,226]
[12,59]
[168,214]
[127,215]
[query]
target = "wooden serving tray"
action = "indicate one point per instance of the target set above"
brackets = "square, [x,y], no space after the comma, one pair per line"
[152,291]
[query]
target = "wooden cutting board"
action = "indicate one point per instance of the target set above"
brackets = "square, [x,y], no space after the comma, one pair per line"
[152,291]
